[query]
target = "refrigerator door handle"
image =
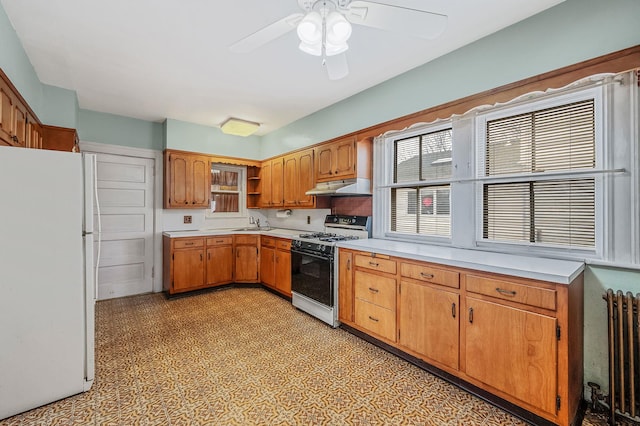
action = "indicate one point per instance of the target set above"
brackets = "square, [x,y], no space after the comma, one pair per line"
[90,300]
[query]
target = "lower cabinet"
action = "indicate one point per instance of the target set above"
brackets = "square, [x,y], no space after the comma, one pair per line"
[519,339]
[275,264]
[219,260]
[194,263]
[247,260]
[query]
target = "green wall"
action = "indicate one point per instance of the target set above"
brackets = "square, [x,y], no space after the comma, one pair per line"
[571,32]
[60,107]
[118,130]
[209,140]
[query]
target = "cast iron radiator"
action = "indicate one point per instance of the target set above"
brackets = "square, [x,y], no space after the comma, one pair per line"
[624,356]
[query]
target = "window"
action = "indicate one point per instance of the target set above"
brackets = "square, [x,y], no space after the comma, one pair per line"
[421,163]
[227,191]
[545,197]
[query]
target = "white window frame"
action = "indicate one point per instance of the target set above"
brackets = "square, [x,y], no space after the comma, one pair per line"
[242,192]
[600,117]
[383,182]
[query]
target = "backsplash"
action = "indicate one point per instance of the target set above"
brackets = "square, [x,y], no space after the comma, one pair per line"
[352,206]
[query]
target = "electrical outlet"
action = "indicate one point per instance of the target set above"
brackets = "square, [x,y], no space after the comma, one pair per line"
[187,219]
[308,220]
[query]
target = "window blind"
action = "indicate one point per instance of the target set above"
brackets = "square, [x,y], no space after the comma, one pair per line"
[421,208]
[553,212]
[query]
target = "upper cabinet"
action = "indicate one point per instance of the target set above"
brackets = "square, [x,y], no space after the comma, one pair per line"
[60,139]
[187,179]
[343,159]
[272,183]
[298,179]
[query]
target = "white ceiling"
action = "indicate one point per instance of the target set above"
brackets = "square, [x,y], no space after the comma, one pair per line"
[157,59]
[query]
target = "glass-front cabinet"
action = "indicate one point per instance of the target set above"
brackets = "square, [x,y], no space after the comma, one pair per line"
[227,189]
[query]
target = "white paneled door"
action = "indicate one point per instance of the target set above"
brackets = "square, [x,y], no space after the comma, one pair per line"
[125,191]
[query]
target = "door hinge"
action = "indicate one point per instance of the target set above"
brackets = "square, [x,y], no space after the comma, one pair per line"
[558,403]
[153,271]
[558,332]
[173,256]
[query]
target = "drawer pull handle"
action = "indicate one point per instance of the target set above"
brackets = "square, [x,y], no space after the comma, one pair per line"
[425,275]
[471,315]
[374,290]
[509,293]
[373,319]
[219,241]
[188,244]
[373,264]
[348,264]
[453,310]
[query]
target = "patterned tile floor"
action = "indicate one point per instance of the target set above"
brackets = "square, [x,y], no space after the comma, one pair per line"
[247,357]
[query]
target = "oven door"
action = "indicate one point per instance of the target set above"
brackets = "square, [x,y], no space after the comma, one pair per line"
[312,276]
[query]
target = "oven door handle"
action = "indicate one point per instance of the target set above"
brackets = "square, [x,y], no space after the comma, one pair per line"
[304,253]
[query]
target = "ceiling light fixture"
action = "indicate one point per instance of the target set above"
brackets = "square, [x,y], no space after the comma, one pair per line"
[238,127]
[324,31]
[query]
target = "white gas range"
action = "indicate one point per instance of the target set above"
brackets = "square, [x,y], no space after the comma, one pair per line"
[314,275]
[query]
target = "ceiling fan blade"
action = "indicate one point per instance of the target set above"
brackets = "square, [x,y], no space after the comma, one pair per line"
[336,66]
[413,22]
[266,34]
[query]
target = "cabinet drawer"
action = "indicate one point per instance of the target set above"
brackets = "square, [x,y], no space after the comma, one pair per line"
[221,240]
[429,274]
[246,239]
[267,241]
[182,243]
[376,289]
[283,245]
[521,293]
[377,319]
[375,263]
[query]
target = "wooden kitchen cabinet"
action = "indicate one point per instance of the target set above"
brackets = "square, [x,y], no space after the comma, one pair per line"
[516,338]
[187,180]
[275,264]
[283,266]
[219,260]
[254,186]
[34,133]
[343,159]
[428,322]
[345,287]
[272,183]
[184,264]
[268,261]
[298,179]
[247,260]
[60,139]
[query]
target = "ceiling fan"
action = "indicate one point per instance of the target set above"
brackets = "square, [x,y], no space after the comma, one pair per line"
[325,27]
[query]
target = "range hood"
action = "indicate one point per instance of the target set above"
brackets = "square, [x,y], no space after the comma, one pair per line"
[357,186]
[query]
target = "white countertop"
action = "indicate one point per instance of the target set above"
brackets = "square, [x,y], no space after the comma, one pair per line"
[274,232]
[552,270]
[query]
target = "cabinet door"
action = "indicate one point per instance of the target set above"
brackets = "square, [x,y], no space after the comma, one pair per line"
[305,179]
[345,287]
[266,184]
[267,266]
[6,115]
[180,169]
[188,269]
[344,159]
[200,187]
[283,271]
[20,123]
[219,265]
[246,262]
[512,350]
[324,163]
[277,182]
[429,322]
[290,181]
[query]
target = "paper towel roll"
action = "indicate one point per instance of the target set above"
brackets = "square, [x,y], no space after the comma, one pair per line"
[283,213]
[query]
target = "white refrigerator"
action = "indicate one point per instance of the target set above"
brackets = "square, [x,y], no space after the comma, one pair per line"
[48,222]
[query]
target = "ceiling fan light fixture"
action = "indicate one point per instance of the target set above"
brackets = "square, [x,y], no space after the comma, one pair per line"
[238,127]
[338,28]
[310,28]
